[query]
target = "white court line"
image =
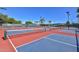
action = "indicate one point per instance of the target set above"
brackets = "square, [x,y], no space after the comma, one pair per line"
[33,41]
[12,44]
[47,38]
[61,42]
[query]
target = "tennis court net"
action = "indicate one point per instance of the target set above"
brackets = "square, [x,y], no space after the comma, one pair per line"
[16,33]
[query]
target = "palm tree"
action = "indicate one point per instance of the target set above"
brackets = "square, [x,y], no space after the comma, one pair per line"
[42,20]
[50,22]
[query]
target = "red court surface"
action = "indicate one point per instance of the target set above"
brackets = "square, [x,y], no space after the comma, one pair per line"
[5,45]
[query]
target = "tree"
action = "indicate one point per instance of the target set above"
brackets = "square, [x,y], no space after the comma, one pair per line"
[50,22]
[42,20]
[9,20]
[1,22]
[1,19]
[28,23]
[18,22]
[4,17]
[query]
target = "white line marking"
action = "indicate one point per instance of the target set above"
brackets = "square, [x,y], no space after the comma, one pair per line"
[33,41]
[46,38]
[12,44]
[62,42]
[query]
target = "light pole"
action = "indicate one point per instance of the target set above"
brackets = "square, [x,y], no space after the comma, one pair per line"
[78,17]
[68,15]
[77,41]
[76,34]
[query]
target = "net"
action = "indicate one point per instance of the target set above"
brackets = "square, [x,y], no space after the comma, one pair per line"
[22,32]
[10,34]
[16,33]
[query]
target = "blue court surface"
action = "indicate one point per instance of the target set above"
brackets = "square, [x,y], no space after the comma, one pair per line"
[51,43]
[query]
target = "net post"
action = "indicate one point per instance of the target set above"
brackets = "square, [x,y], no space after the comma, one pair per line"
[5,35]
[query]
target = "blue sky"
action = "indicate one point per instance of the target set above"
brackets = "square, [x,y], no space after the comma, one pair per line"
[56,14]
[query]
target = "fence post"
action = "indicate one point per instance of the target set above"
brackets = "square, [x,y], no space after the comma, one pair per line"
[77,41]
